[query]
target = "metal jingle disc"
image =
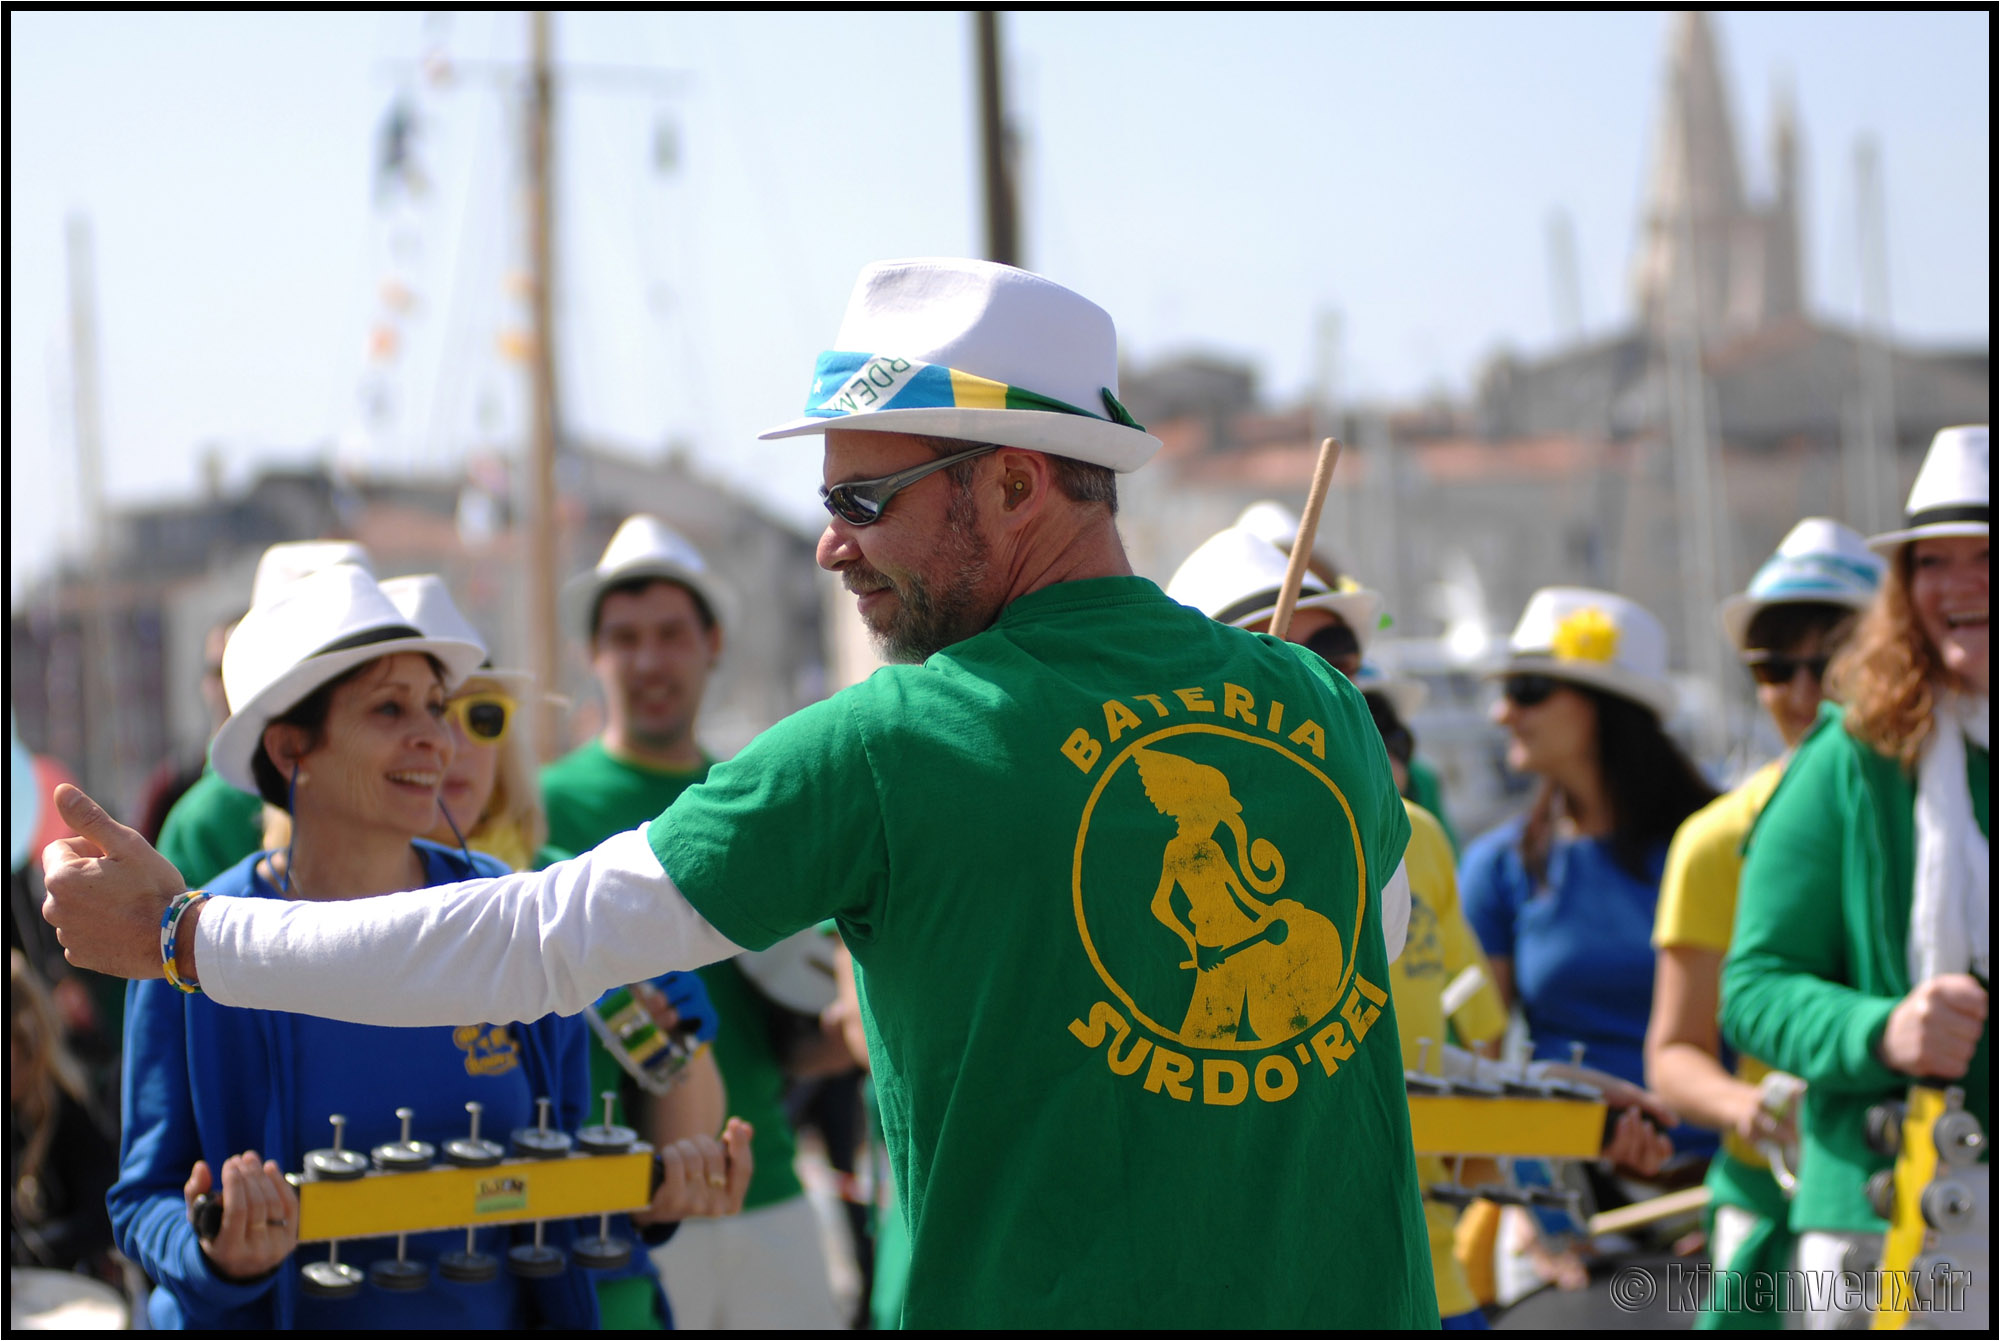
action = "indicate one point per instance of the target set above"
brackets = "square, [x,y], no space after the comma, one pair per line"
[473,1153]
[1959,1139]
[403,1156]
[604,1254]
[1881,1191]
[535,1261]
[606,1138]
[1947,1207]
[401,1275]
[535,1143]
[330,1280]
[468,1268]
[336,1166]
[1884,1128]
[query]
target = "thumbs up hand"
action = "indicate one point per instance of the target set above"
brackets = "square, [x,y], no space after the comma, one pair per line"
[106,891]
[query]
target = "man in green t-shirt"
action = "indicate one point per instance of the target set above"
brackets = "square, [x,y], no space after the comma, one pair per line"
[650,614]
[1121,884]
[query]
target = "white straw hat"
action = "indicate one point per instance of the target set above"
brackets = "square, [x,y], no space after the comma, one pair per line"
[643,546]
[1595,638]
[1952,494]
[1234,577]
[286,563]
[1359,607]
[426,603]
[1819,560]
[980,352]
[315,630]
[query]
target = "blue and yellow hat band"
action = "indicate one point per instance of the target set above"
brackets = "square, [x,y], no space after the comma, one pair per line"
[847,383]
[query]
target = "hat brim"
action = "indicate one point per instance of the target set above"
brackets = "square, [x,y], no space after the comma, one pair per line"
[237,740]
[1325,600]
[1739,610]
[1608,676]
[580,593]
[1076,436]
[1887,544]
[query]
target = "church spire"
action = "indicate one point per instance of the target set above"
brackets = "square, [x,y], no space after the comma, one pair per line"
[1694,198]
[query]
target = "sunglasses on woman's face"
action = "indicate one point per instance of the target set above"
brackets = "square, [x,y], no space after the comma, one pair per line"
[1768,668]
[1525,691]
[483,717]
[862,502]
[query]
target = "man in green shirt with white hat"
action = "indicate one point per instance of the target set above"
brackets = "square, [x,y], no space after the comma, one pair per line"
[1115,876]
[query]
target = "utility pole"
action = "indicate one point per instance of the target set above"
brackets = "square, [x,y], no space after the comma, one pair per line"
[1003,239]
[105,742]
[1872,477]
[543,635]
[1697,498]
[1565,293]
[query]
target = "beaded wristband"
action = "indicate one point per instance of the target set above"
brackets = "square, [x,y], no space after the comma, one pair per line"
[170,926]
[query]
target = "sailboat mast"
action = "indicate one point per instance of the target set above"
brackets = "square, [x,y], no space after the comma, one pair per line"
[541,552]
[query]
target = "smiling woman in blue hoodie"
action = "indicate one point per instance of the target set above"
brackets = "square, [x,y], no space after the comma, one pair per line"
[337,708]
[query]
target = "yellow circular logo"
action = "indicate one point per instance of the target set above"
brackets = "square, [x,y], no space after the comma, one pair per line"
[1215,894]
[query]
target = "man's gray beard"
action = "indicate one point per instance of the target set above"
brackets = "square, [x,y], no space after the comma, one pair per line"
[928,621]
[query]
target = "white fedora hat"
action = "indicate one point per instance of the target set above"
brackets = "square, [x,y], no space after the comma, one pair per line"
[426,603]
[1595,638]
[643,546]
[1819,561]
[1952,494]
[980,352]
[1233,577]
[315,630]
[1359,607]
[286,563]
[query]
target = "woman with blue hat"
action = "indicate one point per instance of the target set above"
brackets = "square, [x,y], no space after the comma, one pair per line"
[1785,627]
[1863,947]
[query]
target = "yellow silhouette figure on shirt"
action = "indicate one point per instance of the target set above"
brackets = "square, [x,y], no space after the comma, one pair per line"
[1263,971]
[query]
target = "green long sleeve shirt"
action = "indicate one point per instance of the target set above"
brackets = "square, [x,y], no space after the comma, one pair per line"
[1820,955]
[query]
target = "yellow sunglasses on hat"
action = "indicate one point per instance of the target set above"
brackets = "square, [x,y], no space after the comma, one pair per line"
[483,717]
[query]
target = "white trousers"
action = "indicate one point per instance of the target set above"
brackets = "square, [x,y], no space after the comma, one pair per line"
[763,1270]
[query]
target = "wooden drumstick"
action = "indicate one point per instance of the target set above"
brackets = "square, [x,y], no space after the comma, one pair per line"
[1295,571]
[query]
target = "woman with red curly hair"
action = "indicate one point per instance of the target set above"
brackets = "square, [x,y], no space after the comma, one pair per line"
[1862,954]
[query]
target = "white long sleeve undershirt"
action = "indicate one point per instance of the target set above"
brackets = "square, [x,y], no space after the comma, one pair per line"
[1395,912]
[516,947]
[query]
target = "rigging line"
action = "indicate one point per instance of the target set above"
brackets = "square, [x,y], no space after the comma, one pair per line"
[466,301]
[685,315]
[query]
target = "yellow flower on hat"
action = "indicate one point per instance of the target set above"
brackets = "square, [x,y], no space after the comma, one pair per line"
[1586,634]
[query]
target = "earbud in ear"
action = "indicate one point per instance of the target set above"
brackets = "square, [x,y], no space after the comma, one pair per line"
[1017,489]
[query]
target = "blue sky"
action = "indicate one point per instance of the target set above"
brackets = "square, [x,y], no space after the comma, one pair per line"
[1214,180]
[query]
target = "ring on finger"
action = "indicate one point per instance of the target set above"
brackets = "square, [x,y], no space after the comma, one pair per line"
[717,1180]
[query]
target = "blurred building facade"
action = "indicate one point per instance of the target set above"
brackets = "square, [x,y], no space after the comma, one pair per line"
[176,570]
[1724,401]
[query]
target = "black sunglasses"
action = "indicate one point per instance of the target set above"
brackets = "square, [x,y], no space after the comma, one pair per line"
[1528,690]
[1767,668]
[862,502]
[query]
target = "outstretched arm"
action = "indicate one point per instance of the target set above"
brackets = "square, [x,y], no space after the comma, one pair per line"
[513,948]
